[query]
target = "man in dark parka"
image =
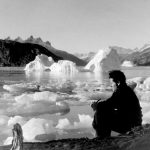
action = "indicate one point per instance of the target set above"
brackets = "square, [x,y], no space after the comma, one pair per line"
[121,112]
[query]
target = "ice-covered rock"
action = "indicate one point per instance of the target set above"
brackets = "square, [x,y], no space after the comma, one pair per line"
[41,62]
[64,66]
[104,61]
[127,64]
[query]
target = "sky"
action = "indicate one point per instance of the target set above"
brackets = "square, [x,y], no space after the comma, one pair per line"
[78,26]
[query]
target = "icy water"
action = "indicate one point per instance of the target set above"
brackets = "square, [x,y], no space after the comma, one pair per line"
[40,118]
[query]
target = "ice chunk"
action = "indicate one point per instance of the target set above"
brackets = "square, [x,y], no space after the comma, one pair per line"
[145,111]
[127,64]
[147,83]
[41,62]
[37,96]
[104,61]
[21,87]
[16,119]
[64,66]
[33,108]
[63,123]
[35,127]
[8,141]
[85,121]
[145,96]
[138,80]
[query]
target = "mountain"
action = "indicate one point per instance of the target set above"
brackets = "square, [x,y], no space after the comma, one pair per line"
[122,52]
[19,39]
[86,56]
[144,47]
[60,53]
[29,48]
[141,57]
[14,53]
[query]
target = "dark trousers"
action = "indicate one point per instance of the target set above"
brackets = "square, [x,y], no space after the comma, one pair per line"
[107,119]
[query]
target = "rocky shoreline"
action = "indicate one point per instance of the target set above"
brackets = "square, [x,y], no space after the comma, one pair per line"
[137,140]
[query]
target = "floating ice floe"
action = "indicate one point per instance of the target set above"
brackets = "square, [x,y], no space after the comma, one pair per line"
[85,121]
[127,64]
[21,87]
[104,61]
[32,105]
[41,63]
[35,127]
[65,86]
[37,96]
[36,130]
[41,130]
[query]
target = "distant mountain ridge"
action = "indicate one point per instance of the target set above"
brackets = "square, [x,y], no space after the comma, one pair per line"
[10,52]
[18,54]
[65,55]
[86,56]
[30,48]
[140,57]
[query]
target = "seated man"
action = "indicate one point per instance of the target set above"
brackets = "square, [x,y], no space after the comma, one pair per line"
[121,112]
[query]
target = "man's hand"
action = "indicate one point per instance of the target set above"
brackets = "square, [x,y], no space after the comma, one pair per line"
[94,105]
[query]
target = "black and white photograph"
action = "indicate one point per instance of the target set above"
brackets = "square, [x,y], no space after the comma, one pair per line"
[74,75]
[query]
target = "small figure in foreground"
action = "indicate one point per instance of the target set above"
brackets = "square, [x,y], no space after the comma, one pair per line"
[121,112]
[17,142]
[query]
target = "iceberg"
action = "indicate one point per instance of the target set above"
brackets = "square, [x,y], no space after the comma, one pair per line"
[127,64]
[41,62]
[37,126]
[64,66]
[104,61]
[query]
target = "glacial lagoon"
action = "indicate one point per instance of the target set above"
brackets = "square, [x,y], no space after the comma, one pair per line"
[62,107]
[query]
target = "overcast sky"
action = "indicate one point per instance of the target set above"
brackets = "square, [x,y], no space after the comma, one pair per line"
[78,25]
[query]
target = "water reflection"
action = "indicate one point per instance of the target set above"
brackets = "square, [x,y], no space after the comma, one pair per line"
[46,76]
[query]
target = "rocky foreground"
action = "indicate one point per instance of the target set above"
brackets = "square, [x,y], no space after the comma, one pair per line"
[138,139]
